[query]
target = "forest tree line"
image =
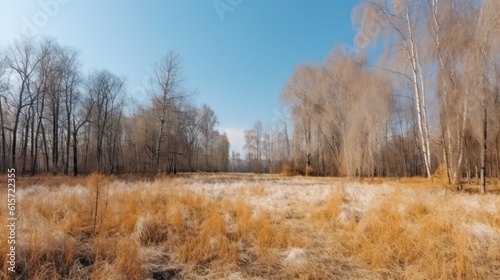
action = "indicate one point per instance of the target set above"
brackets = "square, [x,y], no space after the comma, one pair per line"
[428,98]
[54,118]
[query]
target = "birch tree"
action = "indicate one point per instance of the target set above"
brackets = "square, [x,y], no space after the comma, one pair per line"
[400,20]
[485,46]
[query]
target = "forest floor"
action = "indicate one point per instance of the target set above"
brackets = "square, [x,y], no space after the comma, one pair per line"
[244,226]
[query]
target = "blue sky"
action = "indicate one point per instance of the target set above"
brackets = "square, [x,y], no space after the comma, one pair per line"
[238,64]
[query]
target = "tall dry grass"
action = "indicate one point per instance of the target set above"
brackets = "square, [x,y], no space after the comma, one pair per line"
[177,229]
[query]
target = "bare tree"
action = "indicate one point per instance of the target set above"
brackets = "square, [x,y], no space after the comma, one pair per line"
[208,122]
[221,152]
[80,116]
[48,116]
[70,84]
[298,93]
[484,47]
[4,85]
[105,92]
[254,139]
[192,119]
[401,20]
[166,88]
[23,60]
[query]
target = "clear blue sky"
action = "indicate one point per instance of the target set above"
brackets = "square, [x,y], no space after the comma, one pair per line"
[238,64]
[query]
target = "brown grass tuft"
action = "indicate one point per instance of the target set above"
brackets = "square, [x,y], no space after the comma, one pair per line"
[440,176]
[328,213]
[286,170]
[98,186]
[127,260]
[149,231]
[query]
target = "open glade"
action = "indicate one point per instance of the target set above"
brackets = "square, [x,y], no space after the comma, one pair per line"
[237,226]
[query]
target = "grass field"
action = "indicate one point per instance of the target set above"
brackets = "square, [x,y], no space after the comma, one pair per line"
[237,226]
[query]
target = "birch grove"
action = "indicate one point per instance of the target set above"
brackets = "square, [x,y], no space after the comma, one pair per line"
[418,92]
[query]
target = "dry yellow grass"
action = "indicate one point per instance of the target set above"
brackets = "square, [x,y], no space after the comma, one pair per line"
[286,170]
[170,228]
[326,214]
[253,190]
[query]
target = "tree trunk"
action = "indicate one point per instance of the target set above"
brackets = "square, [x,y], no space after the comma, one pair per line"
[68,144]
[497,155]
[33,144]
[75,153]
[2,127]
[14,138]
[446,159]
[419,94]
[45,148]
[482,187]
[24,150]
[87,144]
[158,143]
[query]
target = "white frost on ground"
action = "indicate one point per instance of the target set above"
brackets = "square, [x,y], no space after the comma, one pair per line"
[475,203]
[295,257]
[275,193]
[25,192]
[358,198]
[236,276]
[483,233]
